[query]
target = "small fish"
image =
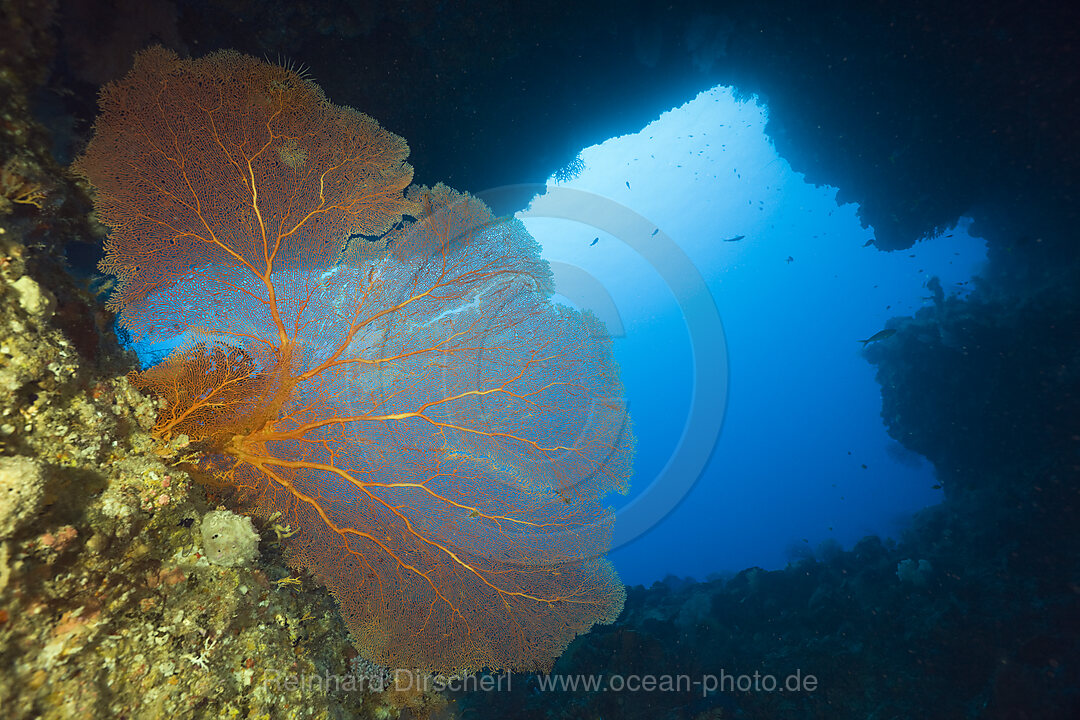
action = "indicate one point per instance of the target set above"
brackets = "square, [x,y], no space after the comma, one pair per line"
[734,239]
[878,336]
[936,486]
[655,231]
[627,184]
[474,514]
[868,243]
[790,260]
[595,240]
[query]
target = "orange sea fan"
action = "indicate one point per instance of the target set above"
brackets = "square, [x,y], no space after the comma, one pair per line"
[380,364]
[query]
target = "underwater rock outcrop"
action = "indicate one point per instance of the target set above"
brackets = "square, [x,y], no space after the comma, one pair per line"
[108,608]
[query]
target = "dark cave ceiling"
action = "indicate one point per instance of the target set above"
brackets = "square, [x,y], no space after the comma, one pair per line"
[919,111]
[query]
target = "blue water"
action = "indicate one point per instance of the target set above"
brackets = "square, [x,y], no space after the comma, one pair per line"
[795,294]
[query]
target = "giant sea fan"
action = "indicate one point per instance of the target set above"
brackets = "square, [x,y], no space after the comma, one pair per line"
[380,364]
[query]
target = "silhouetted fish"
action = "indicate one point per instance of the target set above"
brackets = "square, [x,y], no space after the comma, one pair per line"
[655,231]
[595,240]
[734,239]
[790,259]
[627,184]
[878,336]
[868,243]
